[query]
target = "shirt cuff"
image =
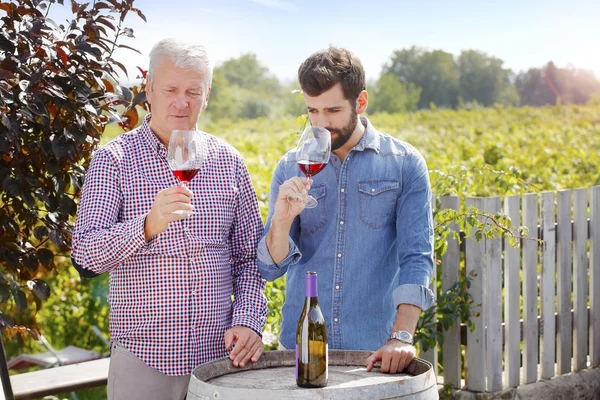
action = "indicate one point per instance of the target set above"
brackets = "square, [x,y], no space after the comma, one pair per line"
[248,322]
[264,257]
[417,295]
[138,233]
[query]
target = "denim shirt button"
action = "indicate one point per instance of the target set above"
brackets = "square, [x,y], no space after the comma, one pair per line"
[339,255]
[337,287]
[335,319]
[341,222]
[342,190]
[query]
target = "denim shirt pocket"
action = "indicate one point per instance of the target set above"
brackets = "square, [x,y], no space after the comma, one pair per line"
[378,201]
[313,219]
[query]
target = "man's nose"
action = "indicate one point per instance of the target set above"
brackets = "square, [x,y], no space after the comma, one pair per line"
[181,102]
[321,121]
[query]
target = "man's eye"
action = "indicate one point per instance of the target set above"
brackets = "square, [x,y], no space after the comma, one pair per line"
[312,111]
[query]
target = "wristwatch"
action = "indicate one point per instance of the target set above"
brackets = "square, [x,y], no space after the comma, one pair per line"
[403,336]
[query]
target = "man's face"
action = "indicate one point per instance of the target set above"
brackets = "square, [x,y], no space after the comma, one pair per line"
[331,110]
[177,97]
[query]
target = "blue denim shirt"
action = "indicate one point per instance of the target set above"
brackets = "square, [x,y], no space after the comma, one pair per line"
[370,240]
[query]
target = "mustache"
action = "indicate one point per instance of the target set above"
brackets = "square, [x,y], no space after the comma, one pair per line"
[333,130]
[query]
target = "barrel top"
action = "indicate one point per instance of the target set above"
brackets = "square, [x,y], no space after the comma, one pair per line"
[275,372]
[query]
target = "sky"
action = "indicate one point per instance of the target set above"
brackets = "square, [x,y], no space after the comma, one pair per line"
[282,33]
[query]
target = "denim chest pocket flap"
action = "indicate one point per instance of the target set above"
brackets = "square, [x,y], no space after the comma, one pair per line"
[378,201]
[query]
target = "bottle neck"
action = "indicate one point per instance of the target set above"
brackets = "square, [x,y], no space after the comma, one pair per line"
[311,286]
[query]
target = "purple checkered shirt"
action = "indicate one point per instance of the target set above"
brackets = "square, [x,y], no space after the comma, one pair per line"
[171,298]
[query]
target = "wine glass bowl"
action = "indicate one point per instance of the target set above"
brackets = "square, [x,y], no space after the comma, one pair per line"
[312,155]
[185,155]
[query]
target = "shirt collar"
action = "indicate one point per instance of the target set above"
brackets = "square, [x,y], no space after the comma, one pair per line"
[150,137]
[370,139]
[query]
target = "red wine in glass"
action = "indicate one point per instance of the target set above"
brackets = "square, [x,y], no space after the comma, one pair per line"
[310,168]
[185,175]
[185,155]
[312,155]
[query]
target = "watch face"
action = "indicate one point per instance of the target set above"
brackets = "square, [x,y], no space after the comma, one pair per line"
[405,336]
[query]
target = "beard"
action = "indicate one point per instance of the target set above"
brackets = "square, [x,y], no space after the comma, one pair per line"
[345,133]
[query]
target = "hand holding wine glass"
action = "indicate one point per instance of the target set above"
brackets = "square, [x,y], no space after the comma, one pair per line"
[185,155]
[312,155]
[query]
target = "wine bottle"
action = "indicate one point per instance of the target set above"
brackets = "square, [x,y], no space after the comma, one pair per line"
[311,340]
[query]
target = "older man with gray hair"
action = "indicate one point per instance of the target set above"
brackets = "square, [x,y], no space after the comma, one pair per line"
[172,273]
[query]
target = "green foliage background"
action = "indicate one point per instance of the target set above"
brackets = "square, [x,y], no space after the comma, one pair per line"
[539,149]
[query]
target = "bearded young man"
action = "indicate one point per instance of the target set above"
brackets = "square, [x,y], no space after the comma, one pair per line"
[370,238]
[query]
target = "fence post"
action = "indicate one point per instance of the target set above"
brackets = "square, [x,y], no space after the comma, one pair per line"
[493,296]
[476,355]
[451,348]
[512,295]
[563,287]
[547,285]
[580,269]
[530,289]
[431,354]
[595,276]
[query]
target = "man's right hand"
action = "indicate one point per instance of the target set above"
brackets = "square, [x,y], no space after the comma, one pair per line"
[161,214]
[286,210]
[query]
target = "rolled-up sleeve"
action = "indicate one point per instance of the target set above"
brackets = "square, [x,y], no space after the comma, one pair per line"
[268,269]
[415,248]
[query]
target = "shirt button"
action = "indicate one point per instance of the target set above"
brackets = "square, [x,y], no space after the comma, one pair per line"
[337,287]
[339,255]
[342,190]
[341,222]
[335,320]
[372,190]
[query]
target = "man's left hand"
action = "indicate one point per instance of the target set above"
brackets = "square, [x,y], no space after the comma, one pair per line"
[248,345]
[394,356]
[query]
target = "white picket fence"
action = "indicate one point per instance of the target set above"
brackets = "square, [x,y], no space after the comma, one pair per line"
[537,301]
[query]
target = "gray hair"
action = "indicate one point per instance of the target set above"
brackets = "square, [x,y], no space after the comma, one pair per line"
[183,55]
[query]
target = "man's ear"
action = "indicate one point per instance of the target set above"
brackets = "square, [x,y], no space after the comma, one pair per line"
[362,102]
[206,99]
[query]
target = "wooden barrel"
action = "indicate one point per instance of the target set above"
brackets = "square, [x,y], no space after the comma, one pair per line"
[274,377]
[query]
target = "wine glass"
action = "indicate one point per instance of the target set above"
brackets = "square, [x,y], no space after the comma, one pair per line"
[312,155]
[185,155]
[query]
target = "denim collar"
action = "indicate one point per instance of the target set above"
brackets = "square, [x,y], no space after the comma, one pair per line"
[370,139]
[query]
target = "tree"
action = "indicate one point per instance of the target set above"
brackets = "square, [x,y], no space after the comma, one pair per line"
[392,96]
[533,90]
[435,72]
[243,88]
[482,79]
[56,93]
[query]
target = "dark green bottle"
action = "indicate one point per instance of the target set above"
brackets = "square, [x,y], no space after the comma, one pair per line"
[311,340]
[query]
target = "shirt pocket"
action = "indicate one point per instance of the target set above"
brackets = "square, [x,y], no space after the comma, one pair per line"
[313,220]
[378,201]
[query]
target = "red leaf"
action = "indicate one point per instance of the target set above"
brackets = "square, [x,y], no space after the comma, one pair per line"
[138,12]
[122,46]
[143,72]
[63,56]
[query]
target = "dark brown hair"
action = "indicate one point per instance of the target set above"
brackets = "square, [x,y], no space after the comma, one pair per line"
[322,70]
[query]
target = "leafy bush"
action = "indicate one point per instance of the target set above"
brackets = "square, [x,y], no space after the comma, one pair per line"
[57,90]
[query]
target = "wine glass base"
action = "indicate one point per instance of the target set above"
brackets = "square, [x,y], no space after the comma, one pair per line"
[309,201]
[184,212]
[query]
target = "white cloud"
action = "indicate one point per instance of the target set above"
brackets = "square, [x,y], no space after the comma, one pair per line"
[279,4]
